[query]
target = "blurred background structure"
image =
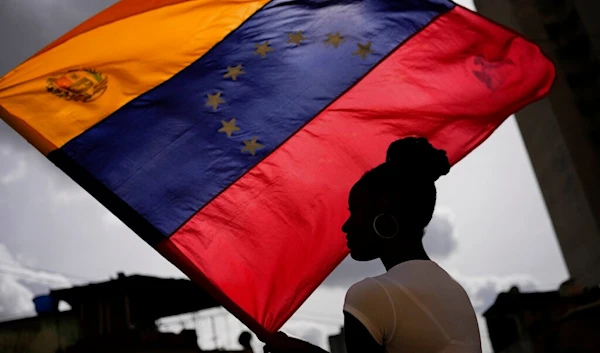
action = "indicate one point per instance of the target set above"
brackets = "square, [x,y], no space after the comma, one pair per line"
[119,315]
[562,132]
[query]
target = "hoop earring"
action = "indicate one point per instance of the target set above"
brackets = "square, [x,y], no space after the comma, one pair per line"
[377,231]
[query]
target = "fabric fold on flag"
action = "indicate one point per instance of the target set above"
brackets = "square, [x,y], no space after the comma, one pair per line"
[228,134]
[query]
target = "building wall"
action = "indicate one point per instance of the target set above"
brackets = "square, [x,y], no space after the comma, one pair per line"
[41,334]
[562,132]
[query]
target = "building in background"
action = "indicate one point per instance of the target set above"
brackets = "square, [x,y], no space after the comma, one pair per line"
[562,132]
[109,317]
[563,321]
[337,343]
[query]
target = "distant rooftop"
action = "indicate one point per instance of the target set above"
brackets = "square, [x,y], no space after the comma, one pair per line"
[150,298]
[568,296]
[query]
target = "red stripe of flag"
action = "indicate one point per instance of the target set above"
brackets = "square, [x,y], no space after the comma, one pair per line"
[272,237]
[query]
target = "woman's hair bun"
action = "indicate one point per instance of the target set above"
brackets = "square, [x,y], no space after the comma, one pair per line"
[416,156]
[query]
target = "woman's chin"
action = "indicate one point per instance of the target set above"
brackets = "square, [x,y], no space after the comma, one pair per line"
[358,256]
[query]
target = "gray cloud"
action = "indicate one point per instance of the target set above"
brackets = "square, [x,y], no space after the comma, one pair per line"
[308,331]
[351,271]
[17,285]
[439,240]
[15,298]
[483,290]
[15,174]
[29,25]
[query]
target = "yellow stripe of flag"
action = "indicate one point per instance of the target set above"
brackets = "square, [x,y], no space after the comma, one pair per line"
[57,95]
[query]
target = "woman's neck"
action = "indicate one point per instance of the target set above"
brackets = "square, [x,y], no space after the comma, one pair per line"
[392,257]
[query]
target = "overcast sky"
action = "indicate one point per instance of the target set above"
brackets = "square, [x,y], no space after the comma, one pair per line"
[491,229]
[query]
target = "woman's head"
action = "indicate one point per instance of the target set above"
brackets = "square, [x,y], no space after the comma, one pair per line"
[244,339]
[393,203]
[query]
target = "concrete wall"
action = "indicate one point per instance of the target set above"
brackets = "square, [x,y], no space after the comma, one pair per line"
[46,334]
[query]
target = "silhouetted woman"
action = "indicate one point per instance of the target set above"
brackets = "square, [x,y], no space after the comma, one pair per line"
[415,307]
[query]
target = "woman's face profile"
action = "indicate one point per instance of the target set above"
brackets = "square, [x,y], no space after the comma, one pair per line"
[363,242]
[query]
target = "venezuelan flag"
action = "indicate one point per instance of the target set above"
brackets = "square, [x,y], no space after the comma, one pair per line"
[227,133]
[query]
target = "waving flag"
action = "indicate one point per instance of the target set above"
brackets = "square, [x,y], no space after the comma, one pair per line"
[227,134]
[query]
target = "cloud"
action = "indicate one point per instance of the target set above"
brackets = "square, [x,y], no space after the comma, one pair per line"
[63,306]
[18,161]
[62,195]
[16,298]
[439,240]
[308,331]
[9,264]
[41,21]
[15,174]
[351,271]
[483,290]
[14,164]
[5,150]
[111,220]
[486,344]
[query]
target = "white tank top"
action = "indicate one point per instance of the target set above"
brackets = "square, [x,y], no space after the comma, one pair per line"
[416,307]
